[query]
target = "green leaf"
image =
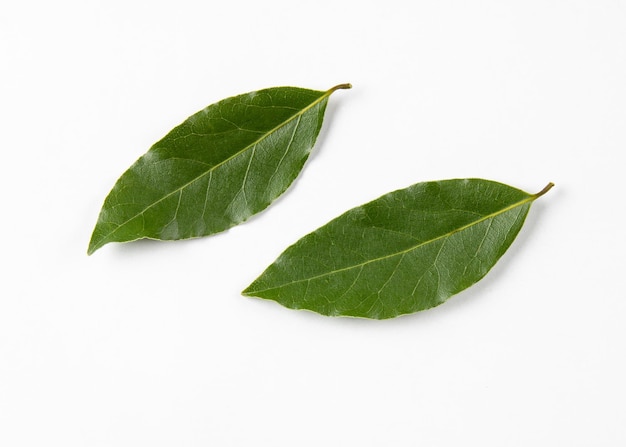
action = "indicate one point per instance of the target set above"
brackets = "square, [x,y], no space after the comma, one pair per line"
[216,169]
[406,251]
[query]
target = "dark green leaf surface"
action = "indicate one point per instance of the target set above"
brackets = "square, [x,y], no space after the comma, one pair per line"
[406,251]
[216,169]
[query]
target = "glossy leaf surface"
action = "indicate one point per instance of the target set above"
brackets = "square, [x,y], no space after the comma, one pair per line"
[216,169]
[406,251]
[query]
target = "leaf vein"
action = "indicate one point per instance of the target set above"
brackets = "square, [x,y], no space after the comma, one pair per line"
[206,195]
[412,248]
[293,135]
[245,176]
[241,151]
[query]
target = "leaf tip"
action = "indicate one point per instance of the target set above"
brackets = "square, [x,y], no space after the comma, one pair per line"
[94,245]
[248,291]
[91,250]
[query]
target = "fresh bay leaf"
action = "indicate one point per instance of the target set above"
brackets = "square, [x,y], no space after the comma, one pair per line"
[406,251]
[216,169]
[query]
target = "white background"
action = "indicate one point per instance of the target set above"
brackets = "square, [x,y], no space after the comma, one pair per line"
[151,343]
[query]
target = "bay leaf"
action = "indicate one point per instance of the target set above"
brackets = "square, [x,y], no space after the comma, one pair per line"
[404,252]
[216,169]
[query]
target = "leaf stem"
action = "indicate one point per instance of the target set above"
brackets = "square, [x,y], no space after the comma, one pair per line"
[544,190]
[339,87]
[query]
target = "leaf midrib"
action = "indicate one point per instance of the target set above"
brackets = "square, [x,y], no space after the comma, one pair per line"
[529,199]
[243,150]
